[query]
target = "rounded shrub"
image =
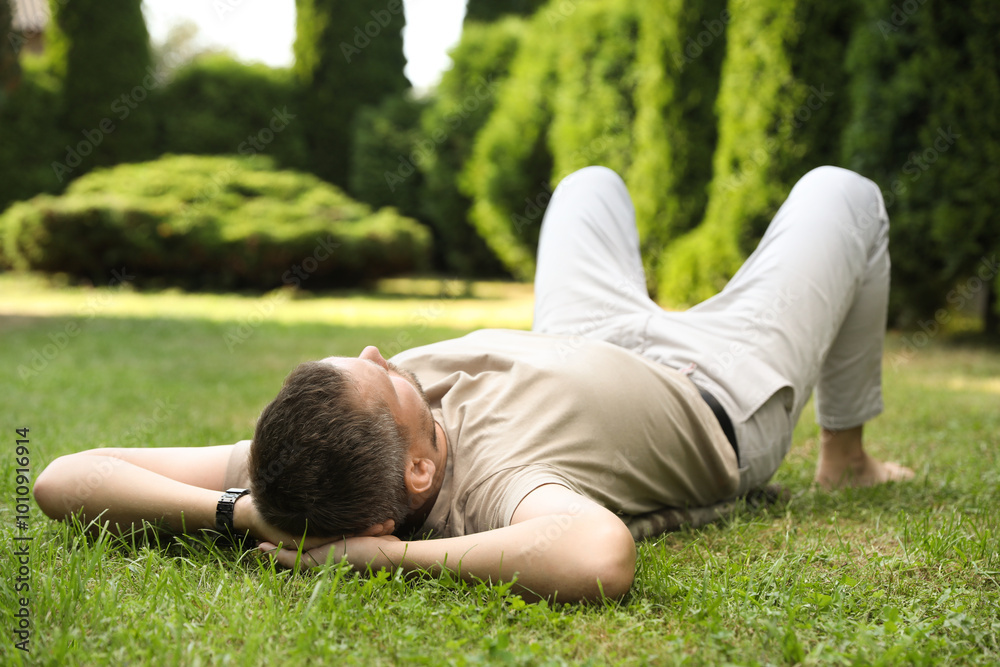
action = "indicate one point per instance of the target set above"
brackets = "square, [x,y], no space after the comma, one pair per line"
[210,223]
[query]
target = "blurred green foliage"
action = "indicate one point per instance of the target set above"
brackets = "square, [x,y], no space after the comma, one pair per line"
[712,113]
[383,164]
[100,52]
[925,95]
[491,10]
[675,131]
[9,47]
[210,222]
[462,103]
[602,83]
[781,99]
[508,174]
[597,66]
[709,112]
[348,54]
[217,105]
[30,136]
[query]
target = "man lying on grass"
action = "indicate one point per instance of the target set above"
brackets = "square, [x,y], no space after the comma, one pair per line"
[531,454]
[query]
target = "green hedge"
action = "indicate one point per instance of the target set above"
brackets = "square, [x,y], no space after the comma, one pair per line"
[925,89]
[592,106]
[382,169]
[462,103]
[712,112]
[210,222]
[679,60]
[30,141]
[604,82]
[782,104]
[216,105]
[508,175]
[492,10]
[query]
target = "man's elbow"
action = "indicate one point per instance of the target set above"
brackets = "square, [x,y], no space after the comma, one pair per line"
[49,490]
[606,567]
[615,568]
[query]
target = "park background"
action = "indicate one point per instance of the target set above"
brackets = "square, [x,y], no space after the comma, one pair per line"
[179,228]
[710,111]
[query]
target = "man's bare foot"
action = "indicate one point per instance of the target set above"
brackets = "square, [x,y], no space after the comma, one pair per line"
[844,462]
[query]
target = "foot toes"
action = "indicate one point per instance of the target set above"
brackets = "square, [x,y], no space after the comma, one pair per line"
[875,472]
[893,472]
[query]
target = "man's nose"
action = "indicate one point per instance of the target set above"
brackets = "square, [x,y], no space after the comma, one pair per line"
[371,353]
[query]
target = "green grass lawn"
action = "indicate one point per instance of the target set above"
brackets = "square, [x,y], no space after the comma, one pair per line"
[902,574]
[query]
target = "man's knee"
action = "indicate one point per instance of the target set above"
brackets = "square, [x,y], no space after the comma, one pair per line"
[595,178]
[862,195]
[835,178]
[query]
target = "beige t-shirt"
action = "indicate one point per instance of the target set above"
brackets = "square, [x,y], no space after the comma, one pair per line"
[522,409]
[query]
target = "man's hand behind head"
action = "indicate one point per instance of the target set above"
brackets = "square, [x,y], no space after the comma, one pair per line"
[246,517]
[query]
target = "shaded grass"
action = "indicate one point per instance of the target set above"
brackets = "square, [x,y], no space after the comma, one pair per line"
[901,574]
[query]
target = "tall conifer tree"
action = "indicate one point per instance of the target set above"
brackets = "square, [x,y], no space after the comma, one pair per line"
[101,52]
[781,107]
[925,88]
[9,71]
[348,54]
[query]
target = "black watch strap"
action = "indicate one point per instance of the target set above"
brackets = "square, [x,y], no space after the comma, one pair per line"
[224,511]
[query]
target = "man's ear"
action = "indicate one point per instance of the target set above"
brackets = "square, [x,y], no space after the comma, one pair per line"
[419,475]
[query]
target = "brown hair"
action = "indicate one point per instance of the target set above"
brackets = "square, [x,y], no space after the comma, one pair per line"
[322,459]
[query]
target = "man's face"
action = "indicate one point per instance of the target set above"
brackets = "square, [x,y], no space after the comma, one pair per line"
[379,380]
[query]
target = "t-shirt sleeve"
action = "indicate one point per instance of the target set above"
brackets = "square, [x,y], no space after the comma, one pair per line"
[237,473]
[492,503]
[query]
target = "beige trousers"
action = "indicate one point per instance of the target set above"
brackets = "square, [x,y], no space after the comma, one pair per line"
[807,310]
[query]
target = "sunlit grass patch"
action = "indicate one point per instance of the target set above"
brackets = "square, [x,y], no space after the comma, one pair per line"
[393,302]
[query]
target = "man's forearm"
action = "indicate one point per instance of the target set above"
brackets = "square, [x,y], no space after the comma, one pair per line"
[122,494]
[562,555]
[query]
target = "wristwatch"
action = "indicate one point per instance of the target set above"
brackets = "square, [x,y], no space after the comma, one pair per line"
[224,511]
